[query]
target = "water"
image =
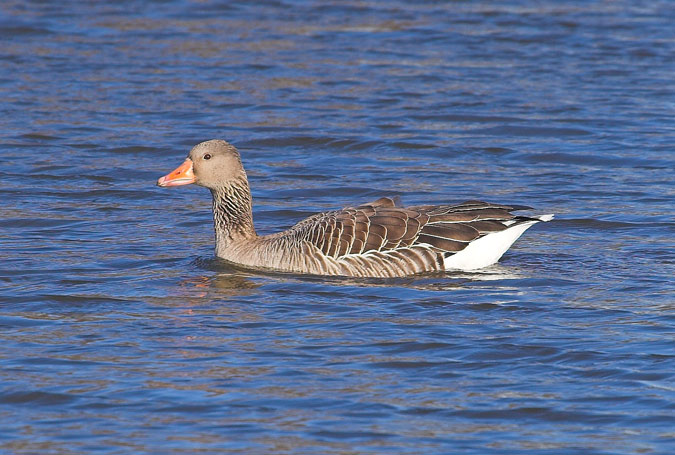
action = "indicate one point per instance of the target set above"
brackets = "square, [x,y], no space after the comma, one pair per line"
[121,333]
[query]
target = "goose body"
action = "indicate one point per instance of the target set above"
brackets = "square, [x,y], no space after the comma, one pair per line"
[377,239]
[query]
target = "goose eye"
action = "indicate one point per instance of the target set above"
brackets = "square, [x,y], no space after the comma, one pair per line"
[207,156]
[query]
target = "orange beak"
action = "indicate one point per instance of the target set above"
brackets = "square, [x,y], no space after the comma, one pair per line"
[183,175]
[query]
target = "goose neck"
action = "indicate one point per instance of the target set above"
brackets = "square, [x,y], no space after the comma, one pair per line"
[232,212]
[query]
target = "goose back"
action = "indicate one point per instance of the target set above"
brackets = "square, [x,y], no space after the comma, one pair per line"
[381,239]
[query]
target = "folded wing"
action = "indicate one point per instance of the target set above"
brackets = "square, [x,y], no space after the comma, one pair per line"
[382,239]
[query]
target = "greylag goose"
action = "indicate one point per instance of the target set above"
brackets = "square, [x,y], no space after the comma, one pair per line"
[378,239]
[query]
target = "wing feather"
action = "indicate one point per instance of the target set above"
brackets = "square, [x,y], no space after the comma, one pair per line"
[441,243]
[485,226]
[452,231]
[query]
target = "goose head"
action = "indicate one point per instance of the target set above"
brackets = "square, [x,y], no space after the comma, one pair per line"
[213,164]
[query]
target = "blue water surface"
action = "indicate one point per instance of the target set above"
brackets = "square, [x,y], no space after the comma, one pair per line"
[120,333]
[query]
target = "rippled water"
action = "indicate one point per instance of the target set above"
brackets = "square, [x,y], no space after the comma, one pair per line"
[121,334]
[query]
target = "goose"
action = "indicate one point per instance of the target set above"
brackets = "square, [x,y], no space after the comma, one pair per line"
[377,239]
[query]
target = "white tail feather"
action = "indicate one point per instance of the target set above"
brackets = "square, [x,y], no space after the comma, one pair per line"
[488,249]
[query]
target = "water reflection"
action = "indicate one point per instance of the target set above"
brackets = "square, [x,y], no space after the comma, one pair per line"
[226,283]
[231,279]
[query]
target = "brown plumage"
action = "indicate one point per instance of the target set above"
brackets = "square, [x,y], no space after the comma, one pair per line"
[378,239]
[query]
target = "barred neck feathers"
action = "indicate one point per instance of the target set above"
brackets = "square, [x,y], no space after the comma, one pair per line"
[232,213]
